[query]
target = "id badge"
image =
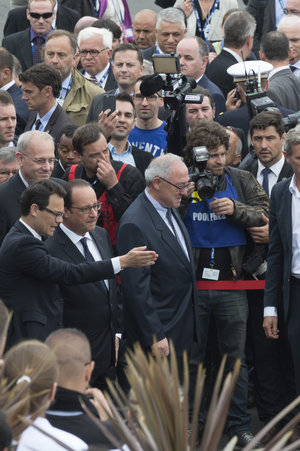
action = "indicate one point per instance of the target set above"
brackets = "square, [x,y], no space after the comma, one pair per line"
[210,274]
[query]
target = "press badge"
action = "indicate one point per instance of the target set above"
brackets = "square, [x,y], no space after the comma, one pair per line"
[210,273]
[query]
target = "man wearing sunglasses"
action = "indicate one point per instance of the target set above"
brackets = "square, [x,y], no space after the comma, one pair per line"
[65,18]
[26,45]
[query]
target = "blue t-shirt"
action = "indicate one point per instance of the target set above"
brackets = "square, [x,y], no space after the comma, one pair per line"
[154,141]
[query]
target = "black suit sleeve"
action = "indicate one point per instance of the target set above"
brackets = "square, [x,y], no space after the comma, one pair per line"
[274,277]
[35,259]
[140,306]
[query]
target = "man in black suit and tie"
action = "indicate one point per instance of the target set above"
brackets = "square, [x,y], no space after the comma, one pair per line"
[283,273]
[160,304]
[41,86]
[97,315]
[29,276]
[193,52]
[26,45]
[273,372]
[239,30]
[65,19]
[8,84]
[77,92]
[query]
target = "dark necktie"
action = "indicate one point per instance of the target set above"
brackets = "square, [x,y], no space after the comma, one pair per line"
[38,45]
[37,124]
[89,258]
[93,79]
[293,68]
[265,183]
[170,221]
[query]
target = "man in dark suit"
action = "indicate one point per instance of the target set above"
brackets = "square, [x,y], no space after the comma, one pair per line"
[8,120]
[29,276]
[16,21]
[95,50]
[97,315]
[35,155]
[160,304]
[239,30]
[283,273]
[41,86]
[143,27]
[284,86]
[26,45]
[77,92]
[116,184]
[83,7]
[8,84]
[119,146]
[273,372]
[193,52]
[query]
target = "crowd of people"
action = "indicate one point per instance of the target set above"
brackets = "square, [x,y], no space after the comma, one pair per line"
[126,218]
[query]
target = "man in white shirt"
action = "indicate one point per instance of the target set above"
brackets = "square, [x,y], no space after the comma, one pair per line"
[283,274]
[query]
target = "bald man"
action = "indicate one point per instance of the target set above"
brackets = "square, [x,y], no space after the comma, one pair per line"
[143,26]
[73,355]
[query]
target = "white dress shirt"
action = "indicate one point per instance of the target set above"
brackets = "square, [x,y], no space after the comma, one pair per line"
[273,176]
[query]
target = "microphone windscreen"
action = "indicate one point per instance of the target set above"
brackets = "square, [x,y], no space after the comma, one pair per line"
[151,85]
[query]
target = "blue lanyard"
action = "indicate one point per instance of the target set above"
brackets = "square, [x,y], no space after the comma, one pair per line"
[103,77]
[64,91]
[212,257]
[204,30]
[118,11]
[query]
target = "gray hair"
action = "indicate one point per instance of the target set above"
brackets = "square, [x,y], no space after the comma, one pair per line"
[8,154]
[237,28]
[292,138]
[288,21]
[91,32]
[26,137]
[172,15]
[161,167]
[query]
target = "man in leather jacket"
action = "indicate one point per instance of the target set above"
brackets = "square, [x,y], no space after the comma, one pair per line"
[217,227]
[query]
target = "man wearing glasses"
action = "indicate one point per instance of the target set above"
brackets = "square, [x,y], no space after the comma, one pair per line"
[26,45]
[159,304]
[95,50]
[149,132]
[76,240]
[290,26]
[41,86]
[35,155]
[29,276]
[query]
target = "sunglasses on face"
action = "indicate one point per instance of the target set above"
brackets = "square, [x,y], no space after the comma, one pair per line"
[38,15]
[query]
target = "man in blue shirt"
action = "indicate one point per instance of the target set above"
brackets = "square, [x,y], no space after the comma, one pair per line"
[149,133]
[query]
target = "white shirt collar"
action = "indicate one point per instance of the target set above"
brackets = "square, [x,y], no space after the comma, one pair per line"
[31,230]
[22,178]
[293,187]
[276,168]
[233,53]
[54,20]
[65,83]
[158,206]
[74,237]
[8,85]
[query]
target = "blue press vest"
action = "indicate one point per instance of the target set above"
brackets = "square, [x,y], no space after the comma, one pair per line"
[208,230]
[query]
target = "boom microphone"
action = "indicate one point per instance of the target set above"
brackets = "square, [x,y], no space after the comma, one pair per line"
[151,85]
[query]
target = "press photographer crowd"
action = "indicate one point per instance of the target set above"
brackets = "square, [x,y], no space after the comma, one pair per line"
[149,190]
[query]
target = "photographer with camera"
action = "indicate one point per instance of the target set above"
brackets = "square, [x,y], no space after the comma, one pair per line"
[225,203]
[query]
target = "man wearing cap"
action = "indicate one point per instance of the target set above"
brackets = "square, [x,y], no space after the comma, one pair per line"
[237,114]
[284,86]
